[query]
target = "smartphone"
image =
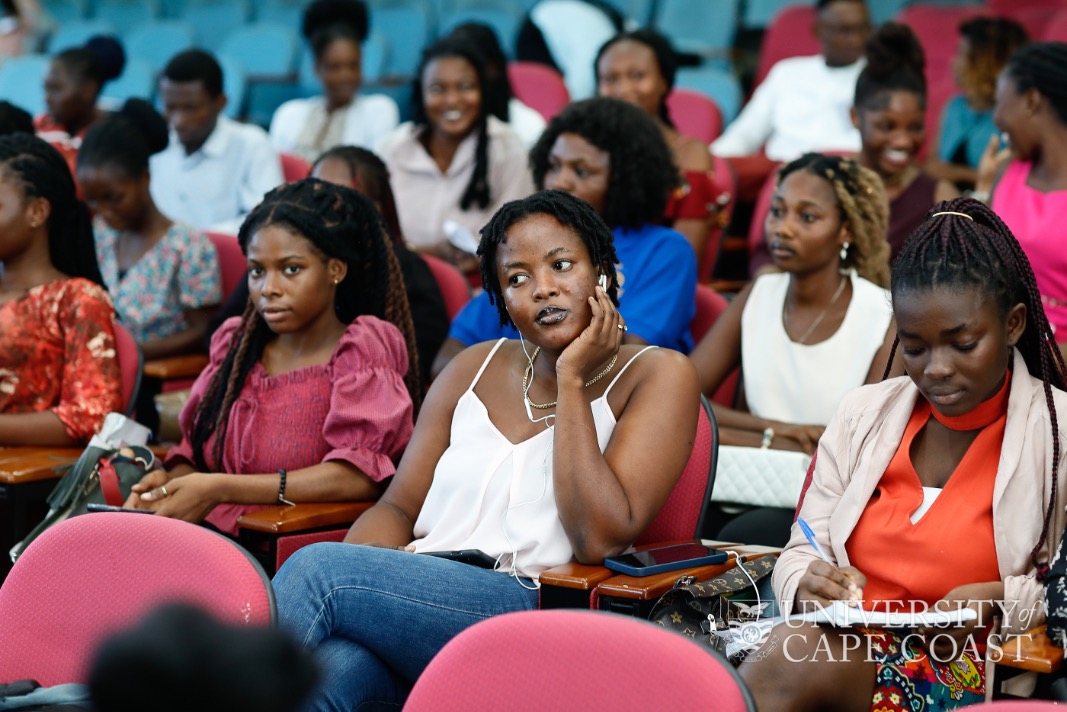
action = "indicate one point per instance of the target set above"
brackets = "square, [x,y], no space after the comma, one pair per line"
[665,558]
[94,507]
[473,557]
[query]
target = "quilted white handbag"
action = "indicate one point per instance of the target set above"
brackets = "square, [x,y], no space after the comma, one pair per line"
[759,477]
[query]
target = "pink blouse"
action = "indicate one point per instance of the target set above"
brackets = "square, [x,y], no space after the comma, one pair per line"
[354,408]
[1037,219]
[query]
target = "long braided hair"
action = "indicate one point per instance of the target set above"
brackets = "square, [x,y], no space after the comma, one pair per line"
[864,207]
[343,224]
[477,191]
[42,173]
[952,252]
[1042,66]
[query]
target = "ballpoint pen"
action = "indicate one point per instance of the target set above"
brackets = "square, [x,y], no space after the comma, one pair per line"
[810,536]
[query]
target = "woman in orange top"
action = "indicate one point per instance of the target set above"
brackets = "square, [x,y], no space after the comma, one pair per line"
[939,489]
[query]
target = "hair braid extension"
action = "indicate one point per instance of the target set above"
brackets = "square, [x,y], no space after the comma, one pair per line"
[952,252]
[864,208]
[1040,66]
[478,189]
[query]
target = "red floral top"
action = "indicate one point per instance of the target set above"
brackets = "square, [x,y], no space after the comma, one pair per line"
[57,352]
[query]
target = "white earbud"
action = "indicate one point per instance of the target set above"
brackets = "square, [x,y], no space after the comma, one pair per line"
[603,282]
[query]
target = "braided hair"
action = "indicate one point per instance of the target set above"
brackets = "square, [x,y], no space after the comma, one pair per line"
[990,42]
[43,173]
[952,252]
[642,170]
[895,62]
[864,208]
[370,176]
[477,192]
[571,212]
[343,224]
[1041,66]
[666,61]
[125,139]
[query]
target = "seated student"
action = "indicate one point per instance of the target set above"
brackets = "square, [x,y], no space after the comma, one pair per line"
[13,119]
[580,153]
[335,30]
[986,44]
[308,397]
[163,276]
[526,122]
[59,375]
[935,489]
[803,104]
[807,335]
[639,67]
[454,164]
[572,464]
[214,169]
[360,169]
[72,87]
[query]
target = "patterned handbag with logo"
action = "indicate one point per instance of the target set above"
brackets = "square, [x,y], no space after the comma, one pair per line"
[721,612]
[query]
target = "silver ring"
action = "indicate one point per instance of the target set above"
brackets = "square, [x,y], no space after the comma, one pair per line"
[163,489]
[622,327]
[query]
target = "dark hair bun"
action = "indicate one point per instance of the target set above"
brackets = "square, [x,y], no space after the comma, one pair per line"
[892,47]
[109,54]
[323,13]
[148,122]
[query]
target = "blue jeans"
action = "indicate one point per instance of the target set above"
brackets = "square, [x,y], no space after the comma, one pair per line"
[375,617]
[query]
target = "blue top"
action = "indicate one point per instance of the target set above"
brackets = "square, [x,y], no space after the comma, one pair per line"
[964,132]
[657,272]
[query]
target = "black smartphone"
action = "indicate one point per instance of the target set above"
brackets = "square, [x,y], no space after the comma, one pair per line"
[473,557]
[94,507]
[665,558]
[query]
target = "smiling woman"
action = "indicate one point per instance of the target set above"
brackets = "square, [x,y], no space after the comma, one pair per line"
[560,446]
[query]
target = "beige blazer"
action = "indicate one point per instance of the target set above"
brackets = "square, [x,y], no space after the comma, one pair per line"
[862,439]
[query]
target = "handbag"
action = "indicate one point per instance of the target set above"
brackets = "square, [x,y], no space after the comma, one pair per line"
[100,475]
[759,477]
[721,613]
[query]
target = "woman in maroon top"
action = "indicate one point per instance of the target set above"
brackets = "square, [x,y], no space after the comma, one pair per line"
[59,375]
[309,395]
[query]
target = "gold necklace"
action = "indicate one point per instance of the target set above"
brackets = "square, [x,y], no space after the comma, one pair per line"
[527,382]
[824,312]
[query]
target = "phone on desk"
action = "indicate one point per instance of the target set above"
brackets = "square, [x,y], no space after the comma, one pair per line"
[94,507]
[473,557]
[664,558]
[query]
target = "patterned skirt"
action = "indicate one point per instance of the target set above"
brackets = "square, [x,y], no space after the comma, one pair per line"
[909,680]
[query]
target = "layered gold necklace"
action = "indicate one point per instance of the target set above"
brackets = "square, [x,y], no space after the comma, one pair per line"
[527,381]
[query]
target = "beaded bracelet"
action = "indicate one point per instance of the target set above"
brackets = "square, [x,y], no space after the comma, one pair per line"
[281,489]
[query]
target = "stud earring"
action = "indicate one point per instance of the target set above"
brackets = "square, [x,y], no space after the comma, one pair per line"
[844,251]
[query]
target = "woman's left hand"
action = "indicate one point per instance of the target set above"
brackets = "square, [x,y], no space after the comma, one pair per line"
[189,498]
[596,344]
[945,642]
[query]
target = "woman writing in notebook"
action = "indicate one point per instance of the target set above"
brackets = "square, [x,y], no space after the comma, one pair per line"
[939,489]
[562,445]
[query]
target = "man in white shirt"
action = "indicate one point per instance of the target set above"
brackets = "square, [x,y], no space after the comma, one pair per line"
[214,170]
[803,104]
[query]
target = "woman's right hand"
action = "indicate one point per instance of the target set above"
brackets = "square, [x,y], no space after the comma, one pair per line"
[806,437]
[823,583]
[154,479]
[992,158]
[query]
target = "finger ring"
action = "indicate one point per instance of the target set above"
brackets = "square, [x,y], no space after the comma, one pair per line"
[163,489]
[622,327]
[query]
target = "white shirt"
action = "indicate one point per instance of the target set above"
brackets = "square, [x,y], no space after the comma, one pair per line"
[215,186]
[798,383]
[526,122]
[366,121]
[426,198]
[574,32]
[803,105]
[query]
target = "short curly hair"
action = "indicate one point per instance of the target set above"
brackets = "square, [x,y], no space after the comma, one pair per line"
[864,207]
[643,174]
[571,212]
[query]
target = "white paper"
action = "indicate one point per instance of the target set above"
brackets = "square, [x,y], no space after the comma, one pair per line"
[119,431]
[460,237]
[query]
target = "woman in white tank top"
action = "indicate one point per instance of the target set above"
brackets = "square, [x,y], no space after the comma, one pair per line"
[820,327]
[561,447]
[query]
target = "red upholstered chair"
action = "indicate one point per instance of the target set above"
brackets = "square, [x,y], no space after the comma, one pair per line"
[789,35]
[539,87]
[131,362]
[89,575]
[575,660]
[694,114]
[1024,705]
[233,268]
[1008,7]
[453,285]
[936,27]
[1055,30]
[710,306]
[724,190]
[294,167]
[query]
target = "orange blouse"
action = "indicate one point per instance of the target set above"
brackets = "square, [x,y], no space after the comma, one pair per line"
[952,544]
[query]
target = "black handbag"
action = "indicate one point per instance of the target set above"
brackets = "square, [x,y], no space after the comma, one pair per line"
[723,612]
[100,476]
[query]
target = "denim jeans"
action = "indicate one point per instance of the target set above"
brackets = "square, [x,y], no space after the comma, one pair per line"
[375,617]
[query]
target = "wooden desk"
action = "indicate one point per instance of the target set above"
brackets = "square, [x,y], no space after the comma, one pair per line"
[27,477]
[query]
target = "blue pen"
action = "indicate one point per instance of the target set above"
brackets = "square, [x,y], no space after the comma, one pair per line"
[810,536]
